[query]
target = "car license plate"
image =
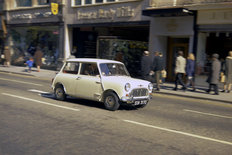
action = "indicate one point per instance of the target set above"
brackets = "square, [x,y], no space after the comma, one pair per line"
[141,102]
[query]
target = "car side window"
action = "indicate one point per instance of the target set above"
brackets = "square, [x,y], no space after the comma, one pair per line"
[71,68]
[89,69]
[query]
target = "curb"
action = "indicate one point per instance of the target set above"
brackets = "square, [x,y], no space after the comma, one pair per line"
[194,97]
[17,73]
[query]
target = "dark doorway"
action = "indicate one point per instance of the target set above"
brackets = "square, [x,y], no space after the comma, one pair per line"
[174,45]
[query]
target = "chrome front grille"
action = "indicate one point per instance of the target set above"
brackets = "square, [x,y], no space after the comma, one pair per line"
[139,92]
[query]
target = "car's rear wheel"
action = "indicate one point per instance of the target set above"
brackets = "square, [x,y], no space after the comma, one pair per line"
[111,101]
[59,93]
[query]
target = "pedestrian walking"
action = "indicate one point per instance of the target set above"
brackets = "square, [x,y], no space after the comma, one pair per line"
[146,65]
[228,73]
[190,71]
[29,63]
[214,72]
[180,71]
[38,58]
[7,56]
[156,68]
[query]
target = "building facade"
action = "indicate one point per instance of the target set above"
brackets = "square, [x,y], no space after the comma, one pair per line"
[109,29]
[120,30]
[30,23]
[201,27]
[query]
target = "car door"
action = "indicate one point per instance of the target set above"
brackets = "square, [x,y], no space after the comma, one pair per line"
[69,75]
[89,82]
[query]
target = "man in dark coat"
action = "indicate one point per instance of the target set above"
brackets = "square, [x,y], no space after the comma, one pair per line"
[157,67]
[146,65]
[213,78]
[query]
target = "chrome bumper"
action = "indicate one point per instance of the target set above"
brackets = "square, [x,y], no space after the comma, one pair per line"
[133,99]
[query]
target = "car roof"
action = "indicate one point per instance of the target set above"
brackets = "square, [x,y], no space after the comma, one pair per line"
[92,60]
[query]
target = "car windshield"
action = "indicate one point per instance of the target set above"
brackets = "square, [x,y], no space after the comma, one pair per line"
[113,69]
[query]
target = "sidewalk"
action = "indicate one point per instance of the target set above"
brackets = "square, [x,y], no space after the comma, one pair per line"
[166,88]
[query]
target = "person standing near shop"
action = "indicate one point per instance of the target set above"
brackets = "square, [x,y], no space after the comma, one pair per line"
[7,56]
[213,78]
[190,70]
[145,65]
[38,58]
[157,67]
[180,70]
[228,73]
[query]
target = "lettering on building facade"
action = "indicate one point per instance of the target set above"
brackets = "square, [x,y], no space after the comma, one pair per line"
[215,17]
[107,14]
[31,15]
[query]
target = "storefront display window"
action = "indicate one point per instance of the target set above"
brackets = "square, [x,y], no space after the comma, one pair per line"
[127,51]
[25,41]
[23,3]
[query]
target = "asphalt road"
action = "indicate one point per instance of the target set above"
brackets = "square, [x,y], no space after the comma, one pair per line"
[33,122]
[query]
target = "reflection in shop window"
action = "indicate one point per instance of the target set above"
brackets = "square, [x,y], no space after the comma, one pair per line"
[23,3]
[77,2]
[43,2]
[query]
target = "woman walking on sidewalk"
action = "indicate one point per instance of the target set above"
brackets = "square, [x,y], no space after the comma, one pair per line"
[228,73]
[38,58]
[213,78]
[190,70]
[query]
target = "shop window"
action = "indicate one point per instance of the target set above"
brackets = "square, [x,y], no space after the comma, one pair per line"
[23,3]
[43,2]
[110,0]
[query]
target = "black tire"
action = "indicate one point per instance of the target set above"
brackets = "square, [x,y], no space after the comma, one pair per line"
[59,93]
[111,101]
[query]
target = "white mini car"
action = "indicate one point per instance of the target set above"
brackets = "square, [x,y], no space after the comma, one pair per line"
[101,80]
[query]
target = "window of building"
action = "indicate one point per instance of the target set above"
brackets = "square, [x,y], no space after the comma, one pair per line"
[88,1]
[99,1]
[23,3]
[77,2]
[43,2]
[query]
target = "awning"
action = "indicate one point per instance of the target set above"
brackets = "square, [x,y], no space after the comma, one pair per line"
[167,12]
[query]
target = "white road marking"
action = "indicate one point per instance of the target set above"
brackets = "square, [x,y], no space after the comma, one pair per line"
[38,91]
[46,103]
[21,82]
[198,112]
[179,132]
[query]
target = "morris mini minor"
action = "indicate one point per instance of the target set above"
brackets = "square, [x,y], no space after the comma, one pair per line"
[101,80]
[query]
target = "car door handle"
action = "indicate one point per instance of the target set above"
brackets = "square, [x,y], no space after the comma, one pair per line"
[98,82]
[78,78]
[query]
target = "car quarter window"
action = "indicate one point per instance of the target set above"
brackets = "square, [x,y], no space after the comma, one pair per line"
[89,69]
[71,68]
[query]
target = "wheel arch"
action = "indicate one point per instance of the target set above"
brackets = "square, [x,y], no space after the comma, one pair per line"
[60,84]
[107,91]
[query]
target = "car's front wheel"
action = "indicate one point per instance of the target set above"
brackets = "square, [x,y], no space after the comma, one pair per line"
[59,93]
[111,101]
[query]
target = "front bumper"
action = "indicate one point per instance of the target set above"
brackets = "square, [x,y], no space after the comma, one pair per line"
[131,100]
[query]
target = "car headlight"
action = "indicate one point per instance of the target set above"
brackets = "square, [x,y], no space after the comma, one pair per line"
[150,86]
[127,87]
